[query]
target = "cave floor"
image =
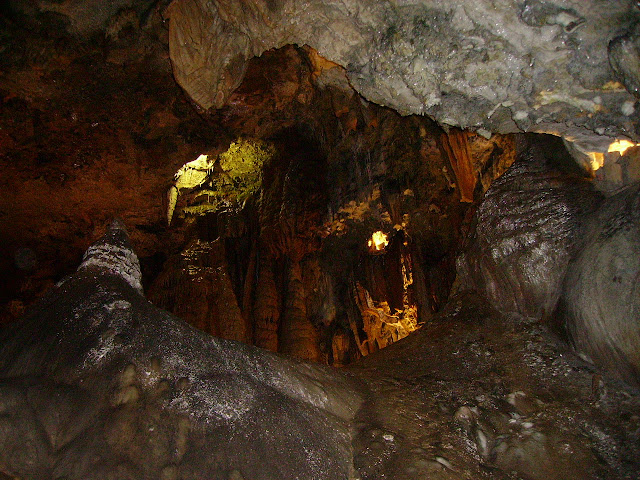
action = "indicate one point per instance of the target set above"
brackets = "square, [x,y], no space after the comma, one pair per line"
[473,394]
[478,395]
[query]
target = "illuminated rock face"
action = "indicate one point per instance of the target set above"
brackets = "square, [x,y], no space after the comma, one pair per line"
[601,299]
[97,383]
[504,66]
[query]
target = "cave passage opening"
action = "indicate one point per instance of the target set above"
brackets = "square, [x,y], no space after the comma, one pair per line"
[285,239]
[327,250]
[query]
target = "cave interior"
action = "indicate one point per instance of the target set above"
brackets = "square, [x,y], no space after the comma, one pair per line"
[365,291]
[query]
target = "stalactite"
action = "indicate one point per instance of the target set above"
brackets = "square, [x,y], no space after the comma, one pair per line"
[407,278]
[456,145]
[353,314]
[266,310]
[298,337]
[172,200]
[362,345]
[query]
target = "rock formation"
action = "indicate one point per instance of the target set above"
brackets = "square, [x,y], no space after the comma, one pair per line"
[97,383]
[503,66]
[526,230]
[196,287]
[600,305]
[545,245]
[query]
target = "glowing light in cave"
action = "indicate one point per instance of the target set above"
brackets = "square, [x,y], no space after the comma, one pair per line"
[194,173]
[225,181]
[621,146]
[191,175]
[596,159]
[378,241]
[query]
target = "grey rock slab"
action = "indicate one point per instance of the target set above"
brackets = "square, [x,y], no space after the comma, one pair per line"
[499,65]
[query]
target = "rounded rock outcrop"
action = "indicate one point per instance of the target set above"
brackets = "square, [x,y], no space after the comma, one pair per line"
[600,304]
[527,229]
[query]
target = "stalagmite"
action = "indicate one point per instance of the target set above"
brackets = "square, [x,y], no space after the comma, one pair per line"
[340,348]
[527,228]
[600,302]
[298,336]
[196,285]
[266,310]
[97,383]
[232,323]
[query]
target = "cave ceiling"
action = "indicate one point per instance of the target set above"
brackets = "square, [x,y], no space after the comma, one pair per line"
[567,67]
[564,67]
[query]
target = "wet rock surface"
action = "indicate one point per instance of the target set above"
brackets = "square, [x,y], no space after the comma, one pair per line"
[95,382]
[98,383]
[503,66]
[477,394]
[600,304]
[526,230]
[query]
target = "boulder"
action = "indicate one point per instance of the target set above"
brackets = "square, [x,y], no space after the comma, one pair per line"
[97,383]
[600,303]
[525,231]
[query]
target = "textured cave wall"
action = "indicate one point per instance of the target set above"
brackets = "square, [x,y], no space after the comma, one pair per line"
[546,245]
[89,130]
[344,169]
[528,227]
[84,17]
[98,129]
[567,66]
[600,304]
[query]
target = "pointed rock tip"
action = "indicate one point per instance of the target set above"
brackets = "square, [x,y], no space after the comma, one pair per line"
[117,224]
[113,253]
